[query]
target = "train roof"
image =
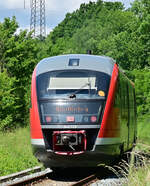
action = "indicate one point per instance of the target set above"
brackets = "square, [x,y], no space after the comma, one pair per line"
[85,62]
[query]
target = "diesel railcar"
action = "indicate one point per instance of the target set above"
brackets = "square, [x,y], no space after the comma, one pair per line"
[83,111]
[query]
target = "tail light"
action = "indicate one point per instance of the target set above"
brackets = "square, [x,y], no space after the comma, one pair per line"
[93,119]
[48,119]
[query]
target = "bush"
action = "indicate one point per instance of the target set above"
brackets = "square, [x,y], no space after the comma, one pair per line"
[7,101]
[142,87]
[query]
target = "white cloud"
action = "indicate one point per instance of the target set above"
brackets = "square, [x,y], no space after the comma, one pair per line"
[14,4]
[69,5]
[23,28]
[48,30]
[55,10]
[125,2]
[53,5]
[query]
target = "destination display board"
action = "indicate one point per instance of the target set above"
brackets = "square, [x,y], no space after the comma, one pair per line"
[71,112]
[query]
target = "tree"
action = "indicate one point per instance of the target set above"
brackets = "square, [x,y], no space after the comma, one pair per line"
[7,29]
[18,57]
[142,86]
[7,101]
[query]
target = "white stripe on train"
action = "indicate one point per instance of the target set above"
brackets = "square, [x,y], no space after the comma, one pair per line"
[37,142]
[99,141]
[107,141]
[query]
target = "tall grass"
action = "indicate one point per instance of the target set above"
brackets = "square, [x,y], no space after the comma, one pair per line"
[136,169]
[15,152]
[139,166]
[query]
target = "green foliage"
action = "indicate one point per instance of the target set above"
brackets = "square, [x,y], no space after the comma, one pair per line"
[112,31]
[142,86]
[18,57]
[76,25]
[103,27]
[99,34]
[107,29]
[7,101]
[7,29]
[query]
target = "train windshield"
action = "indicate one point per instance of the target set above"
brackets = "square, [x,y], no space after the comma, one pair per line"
[80,84]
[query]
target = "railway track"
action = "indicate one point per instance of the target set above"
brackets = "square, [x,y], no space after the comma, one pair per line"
[24,177]
[38,177]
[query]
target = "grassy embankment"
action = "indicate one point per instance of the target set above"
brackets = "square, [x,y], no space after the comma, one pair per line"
[138,172]
[15,152]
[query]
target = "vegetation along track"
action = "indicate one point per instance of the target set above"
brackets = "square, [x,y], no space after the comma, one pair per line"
[70,176]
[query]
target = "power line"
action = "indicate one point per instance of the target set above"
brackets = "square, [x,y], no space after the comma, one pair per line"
[38,20]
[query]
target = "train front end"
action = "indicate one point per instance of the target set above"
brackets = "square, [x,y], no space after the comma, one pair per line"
[69,96]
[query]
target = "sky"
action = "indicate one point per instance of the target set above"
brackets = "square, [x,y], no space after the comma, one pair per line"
[55,11]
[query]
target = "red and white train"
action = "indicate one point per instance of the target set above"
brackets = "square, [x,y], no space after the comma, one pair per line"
[83,111]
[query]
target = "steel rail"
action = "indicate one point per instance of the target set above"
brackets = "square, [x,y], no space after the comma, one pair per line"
[35,174]
[86,180]
[19,174]
[23,176]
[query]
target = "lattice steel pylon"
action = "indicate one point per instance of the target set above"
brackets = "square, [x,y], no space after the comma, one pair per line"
[38,20]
